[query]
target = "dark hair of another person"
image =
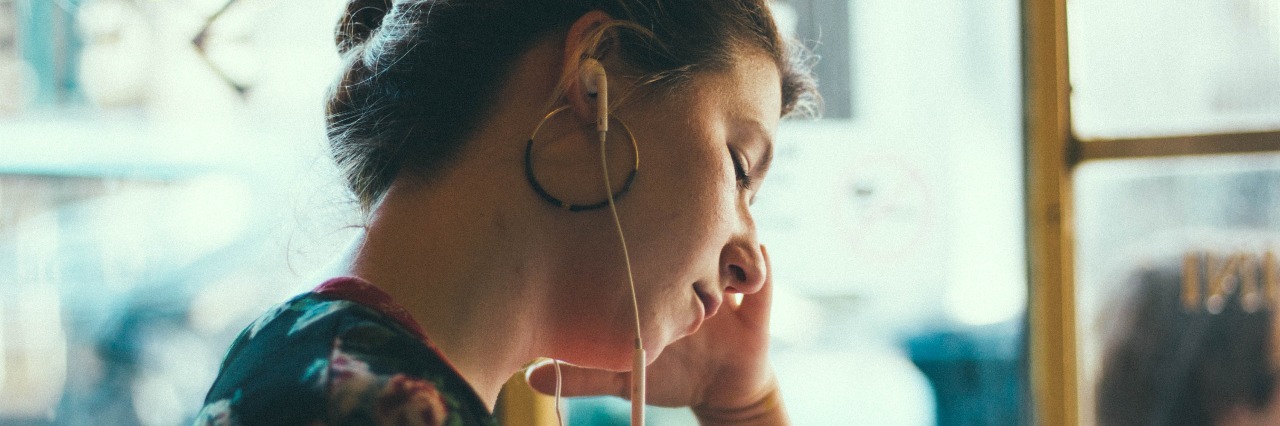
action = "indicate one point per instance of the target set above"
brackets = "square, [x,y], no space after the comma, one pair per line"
[420,74]
[1169,365]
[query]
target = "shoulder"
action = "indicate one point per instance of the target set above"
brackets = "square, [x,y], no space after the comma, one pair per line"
[314,360]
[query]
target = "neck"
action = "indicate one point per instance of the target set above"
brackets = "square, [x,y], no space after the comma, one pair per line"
[465,274]
[462,258]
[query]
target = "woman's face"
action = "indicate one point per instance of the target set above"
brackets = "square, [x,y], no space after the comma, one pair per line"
[704,151]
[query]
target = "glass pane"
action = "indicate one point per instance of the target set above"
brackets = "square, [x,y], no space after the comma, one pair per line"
[1135,214]
[1173,67]
[897,235]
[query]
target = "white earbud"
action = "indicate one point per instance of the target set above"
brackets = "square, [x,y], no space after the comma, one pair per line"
[597,84]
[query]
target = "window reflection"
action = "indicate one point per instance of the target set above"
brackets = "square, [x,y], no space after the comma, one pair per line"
[1193,343]
[1144,215]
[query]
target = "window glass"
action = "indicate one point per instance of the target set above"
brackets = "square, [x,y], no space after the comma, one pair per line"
[1173,67]
[1133,214]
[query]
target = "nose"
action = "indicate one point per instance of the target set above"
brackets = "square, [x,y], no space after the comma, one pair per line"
[742,267]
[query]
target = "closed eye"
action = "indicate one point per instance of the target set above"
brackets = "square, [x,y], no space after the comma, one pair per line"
[744,178]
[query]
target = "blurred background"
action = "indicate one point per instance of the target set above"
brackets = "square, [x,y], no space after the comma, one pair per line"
[164,179]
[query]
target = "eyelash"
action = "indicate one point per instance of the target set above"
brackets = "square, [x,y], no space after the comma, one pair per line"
[744,179]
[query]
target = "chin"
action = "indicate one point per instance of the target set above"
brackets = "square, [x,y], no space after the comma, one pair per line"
[615,354]
[611,354]
[612,360]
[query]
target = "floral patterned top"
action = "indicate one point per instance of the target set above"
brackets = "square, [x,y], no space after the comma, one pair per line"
[344,353]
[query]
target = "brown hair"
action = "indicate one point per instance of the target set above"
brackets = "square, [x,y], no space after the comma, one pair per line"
[420,74]
[1170,365]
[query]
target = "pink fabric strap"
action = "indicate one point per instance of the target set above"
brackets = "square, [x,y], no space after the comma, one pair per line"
[369,295]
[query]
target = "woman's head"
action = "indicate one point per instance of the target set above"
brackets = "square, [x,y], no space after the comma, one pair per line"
[422,75]
[439,98]
[1180,358]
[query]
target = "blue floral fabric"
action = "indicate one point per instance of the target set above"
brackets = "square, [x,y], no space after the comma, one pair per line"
[317,360]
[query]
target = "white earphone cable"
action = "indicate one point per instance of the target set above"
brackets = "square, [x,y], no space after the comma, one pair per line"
[559,382]
[608,189]
[638,361]
[596,74]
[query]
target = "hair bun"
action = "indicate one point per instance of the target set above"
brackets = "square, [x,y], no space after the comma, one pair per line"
[359,22]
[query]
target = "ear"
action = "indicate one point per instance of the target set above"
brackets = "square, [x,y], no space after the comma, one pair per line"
[583,41]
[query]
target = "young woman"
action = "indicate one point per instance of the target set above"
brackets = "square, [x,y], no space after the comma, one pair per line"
[469,131]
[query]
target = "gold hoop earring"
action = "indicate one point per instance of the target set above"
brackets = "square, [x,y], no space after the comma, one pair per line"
[546,196]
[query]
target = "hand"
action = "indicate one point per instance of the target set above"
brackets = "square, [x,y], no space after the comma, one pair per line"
[722,371]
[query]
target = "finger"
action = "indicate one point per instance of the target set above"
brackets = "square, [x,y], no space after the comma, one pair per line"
[755,307]
[577,381]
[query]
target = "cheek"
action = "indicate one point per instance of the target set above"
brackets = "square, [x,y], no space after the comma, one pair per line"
[693,205]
